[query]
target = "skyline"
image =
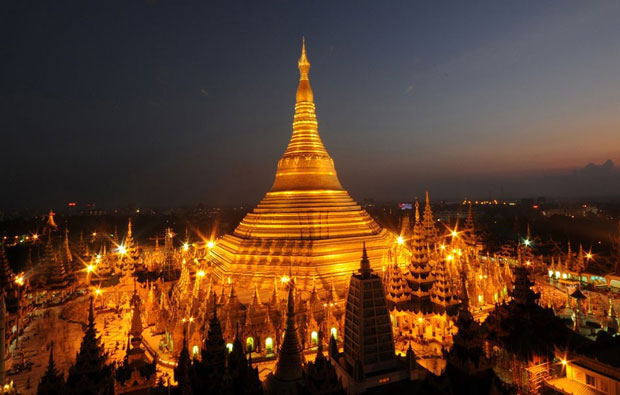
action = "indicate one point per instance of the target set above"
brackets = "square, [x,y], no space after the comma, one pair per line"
[477,100]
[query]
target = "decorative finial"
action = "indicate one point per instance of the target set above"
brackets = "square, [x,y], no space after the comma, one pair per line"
[417,210]
[303,63]
[365,262]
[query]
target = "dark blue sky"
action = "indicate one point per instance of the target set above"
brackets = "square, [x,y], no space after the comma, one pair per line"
[154,102]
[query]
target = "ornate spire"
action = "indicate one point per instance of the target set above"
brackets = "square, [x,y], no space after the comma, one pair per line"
[428,223]
[365,269]
[68,257]
[90,373]
[6,274]
[289,367]
[52,381]
[305,165]
[51,224]
[214,353]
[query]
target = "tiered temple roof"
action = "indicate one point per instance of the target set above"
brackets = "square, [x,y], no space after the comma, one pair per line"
[419,277]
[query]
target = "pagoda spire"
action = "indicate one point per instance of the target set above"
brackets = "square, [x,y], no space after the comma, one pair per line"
[289,368]
[305,165]
[428,223]
[68,258]
[365,269]
[51,224]
[90,373]
[6,274]
[52,381]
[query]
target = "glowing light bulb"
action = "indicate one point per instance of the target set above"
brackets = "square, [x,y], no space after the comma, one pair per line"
[527,242]
[90,268]
[285,279]
[121,249]
[589,256]
[210,244]
[454,233]
[185,246]
[201,273]
[400,240]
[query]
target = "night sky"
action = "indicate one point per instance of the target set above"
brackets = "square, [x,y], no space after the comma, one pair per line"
[157,103]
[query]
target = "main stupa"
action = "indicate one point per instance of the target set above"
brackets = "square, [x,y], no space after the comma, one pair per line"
[307,225]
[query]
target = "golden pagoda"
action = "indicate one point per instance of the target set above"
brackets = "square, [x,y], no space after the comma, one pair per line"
[307,225]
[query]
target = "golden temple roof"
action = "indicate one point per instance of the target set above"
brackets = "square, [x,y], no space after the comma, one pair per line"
[305,165]
[307,221]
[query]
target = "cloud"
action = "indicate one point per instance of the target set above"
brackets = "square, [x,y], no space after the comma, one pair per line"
[409,89]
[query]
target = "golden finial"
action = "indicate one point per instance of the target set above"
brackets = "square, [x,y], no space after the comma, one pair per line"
[304,64]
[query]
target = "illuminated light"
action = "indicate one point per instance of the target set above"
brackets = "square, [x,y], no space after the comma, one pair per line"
[269,345]
[98,291]
[201,273]
[564,362]
[90,268]
[285,279]
[443,247]
[210,244]
[35,236]
[420,320]
[550,273]
[400,240]
[450,257]
[229,347]
[528,263]
[315,338]
[94,234]
[121,249]
[19,280]
[557,274]
[480,298]
[589,255]
[195,351]
[334,333]
[527,242]
[454,233]
[185,246]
